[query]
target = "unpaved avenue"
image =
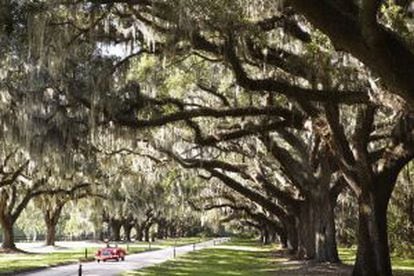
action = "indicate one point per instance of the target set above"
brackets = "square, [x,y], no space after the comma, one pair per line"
[135,261]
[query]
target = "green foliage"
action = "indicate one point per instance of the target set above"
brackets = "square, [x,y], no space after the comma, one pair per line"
[401,215]
[78,221]
[178,241]
[31,221]
[393,16]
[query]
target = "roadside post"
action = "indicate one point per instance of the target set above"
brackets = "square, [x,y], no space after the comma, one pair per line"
[80,269]
[86,253]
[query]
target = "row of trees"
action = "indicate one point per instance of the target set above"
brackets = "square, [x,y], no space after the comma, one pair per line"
[25,180]
[128,195]
[286,103]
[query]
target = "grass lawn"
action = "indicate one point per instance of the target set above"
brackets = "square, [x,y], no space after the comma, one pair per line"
[245,257]
[12,263]
[401,266]
[240,257]
[178,241]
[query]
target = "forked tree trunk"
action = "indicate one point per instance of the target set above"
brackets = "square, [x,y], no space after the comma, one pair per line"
[373,257]
[51,218]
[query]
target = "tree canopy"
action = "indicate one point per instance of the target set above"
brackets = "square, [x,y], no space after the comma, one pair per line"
[162,110]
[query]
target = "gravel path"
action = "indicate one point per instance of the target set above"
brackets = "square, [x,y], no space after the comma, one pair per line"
[134,261]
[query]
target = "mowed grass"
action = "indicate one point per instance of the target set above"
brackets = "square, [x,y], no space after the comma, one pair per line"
[13,263]
[246,257]
[178,241]
[401,266]
[239,257]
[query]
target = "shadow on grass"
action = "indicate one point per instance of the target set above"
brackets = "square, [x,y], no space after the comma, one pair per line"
[218,261]
[213,262]
[242,257]
[247,257]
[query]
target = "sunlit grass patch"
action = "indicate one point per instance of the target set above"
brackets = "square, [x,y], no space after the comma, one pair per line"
[237,257]
[12,263]
[178,241]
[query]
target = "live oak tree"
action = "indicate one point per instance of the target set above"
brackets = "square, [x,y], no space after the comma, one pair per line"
[305,210]
[371,170]
[400,227]
[22,181]
[52,204]
[143,193]
[234,208]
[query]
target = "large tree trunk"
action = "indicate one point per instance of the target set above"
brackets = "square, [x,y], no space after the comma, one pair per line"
[8,235]
[161,230]
[147,232]
[273,235]
[306,231]
[267,235]
[139,231]
[115,230]
[101,235]
[373,257]
[292,235]
[316,227]
[324,224]
[127,231]
[51,233]
[283,240]
[51,217]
